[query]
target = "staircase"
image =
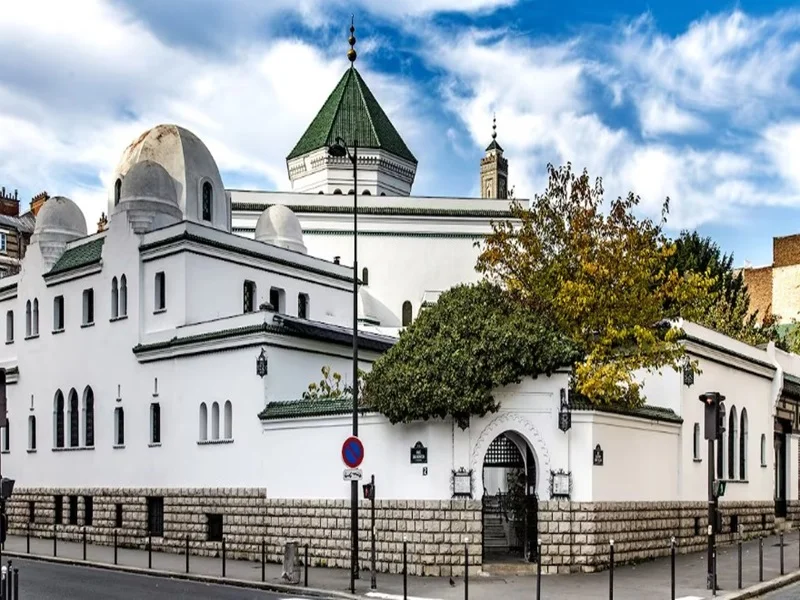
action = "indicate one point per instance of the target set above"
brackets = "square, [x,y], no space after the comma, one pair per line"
[495,540]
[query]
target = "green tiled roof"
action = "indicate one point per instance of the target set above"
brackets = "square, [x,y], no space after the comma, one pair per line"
[79,256]
[652,413]
[494,146]
[352,113]
[383,210]
[293,409]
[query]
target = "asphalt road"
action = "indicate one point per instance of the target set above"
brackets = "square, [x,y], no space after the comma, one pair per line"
[788,593]
[49,581]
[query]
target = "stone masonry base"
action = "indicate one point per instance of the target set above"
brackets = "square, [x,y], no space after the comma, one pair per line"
[435,530]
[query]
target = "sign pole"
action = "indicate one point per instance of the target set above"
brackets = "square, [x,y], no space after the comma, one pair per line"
[711,515]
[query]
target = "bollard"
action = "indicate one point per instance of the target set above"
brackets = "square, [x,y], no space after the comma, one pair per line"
[466,569]
[149,550]
[187,553]
[224,558]
[28,539]
[405,569]
[305,565]
[9,575]
[781,541]
[16,583]
[672,566]
[611,571]
[539,571]
[263,557]
[761,558]
[115,545]
[84,542]
[739,566]
[55,541]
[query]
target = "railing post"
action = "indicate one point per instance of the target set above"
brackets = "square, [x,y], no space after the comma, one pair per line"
[16,583]
[28,539]
[305,564]
[539,570]
[187,552]
[672,567]
[739,566]
[405,569]
[466,570]
[149,550]
[761,558]
[55,540]
[611,570]
[9,575]
[781,541]
[224,558]
[263,558]
[84,542]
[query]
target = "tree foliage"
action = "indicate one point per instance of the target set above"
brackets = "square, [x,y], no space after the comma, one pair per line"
[332,386]
[601,276]
[450,361]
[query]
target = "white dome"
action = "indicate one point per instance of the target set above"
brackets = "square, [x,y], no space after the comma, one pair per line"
[367,312]
[190,166]
[61,215]
[148,180]
[279,226]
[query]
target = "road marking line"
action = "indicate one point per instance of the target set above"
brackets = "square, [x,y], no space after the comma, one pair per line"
[395,597]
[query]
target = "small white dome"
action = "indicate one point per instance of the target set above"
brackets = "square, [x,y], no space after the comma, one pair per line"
[147,180]
[279,226]
[367,312]
[61,215]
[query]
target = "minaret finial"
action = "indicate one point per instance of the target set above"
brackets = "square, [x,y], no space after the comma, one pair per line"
[494,126]
[351,54]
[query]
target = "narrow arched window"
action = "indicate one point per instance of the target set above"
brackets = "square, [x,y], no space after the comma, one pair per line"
[303,306]
[208,199]
[32,432]
[117,191]
[74,420]
[215,421]
[733,443]
[228,420]
[58,420]
[696,442]
[763,450]
[743,445]
[88,417]
[406,313]
[9,326]
[203,429]
[7,436]
[365,276]
[366,193]
[114,298]
[119,426]
[337,192]
[123,296]
[28,319]
[35,326]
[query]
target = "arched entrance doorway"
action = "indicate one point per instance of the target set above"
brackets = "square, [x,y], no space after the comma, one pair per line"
[509,499]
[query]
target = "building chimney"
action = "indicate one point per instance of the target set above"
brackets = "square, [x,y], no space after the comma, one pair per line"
[9,204]
[336,260]
[102,223]
[37,202]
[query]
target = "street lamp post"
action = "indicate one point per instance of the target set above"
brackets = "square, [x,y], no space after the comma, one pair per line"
[339,150]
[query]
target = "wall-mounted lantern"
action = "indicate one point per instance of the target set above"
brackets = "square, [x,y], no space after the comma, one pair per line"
[564,415]
[688,372]
[261,364]
[598,456]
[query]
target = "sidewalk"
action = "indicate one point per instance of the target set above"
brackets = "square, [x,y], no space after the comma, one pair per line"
[651,579]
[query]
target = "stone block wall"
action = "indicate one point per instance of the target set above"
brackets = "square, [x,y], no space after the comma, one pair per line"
[575,535]
[435,531]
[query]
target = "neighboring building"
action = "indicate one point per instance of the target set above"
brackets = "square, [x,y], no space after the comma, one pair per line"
[775,289]
[15,232]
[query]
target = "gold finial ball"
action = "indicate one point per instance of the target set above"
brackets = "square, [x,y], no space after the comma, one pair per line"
[352,40]
[351,55]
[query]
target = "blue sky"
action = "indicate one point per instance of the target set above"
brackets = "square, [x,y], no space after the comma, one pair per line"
[662,98]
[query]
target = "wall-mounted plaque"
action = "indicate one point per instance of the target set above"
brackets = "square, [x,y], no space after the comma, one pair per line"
[598,456]
[462,483]
[419,454]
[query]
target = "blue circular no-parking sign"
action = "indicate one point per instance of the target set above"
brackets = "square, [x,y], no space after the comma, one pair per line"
[352,452]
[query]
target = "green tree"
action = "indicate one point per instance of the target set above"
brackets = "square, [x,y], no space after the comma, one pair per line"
[453,358]
[331,386]
[600,274]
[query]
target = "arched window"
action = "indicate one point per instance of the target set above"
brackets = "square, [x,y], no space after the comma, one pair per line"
[119,426]
[155,423]
[208,198]
[31,432]
[337,192]
[74,419]
[365,276]
[203,433]
[215,421]
[366,193]
[228,420]
[58,420]
[35,316]
[302,306]
[406,313]
[28,319]
[350,191]
[9,326]
[249,296]
[7,437]
[88,417]
[733,443]
[114,298]
[383,193]
[763,450]
[117,191]
[123,296]
[743,445]
[696,442]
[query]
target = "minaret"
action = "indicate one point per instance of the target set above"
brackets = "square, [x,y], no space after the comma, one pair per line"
[494,169]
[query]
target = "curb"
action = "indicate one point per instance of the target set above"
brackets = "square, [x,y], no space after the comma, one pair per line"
[212,579]
[758,590]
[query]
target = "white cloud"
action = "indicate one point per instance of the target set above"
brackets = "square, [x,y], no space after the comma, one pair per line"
[659,115]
